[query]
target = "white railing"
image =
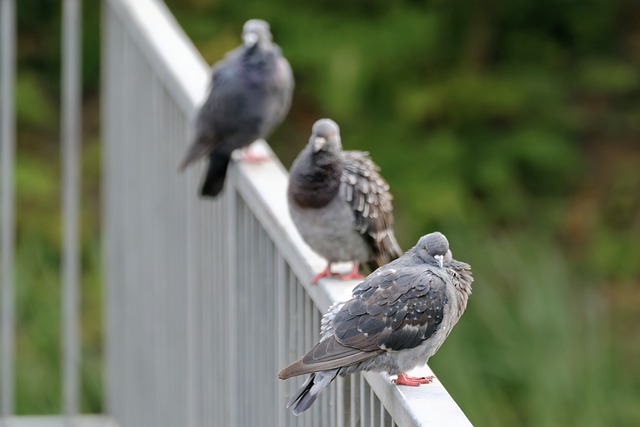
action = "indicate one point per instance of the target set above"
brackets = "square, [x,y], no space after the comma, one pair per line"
[207,300]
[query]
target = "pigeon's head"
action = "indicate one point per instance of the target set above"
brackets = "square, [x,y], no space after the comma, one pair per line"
[434,248]
[325,136]
[256,32]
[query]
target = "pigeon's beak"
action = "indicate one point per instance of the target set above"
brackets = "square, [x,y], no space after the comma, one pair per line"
[318,143]
[440,259]
[250,39]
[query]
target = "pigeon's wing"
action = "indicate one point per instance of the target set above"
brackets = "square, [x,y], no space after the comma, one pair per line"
[285,82]
[393,309]
[396,309]
[368,194]
[229,108]
[224,111]
[327,354]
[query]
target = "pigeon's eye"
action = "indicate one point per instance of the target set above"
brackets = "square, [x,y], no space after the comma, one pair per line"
[331,134]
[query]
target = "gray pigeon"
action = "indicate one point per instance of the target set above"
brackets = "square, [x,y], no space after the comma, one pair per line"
[250,95]
[397,318]
[340,203]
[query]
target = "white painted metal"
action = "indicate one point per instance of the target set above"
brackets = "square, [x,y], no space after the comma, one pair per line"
[7,205]
[207,300]
[70,155]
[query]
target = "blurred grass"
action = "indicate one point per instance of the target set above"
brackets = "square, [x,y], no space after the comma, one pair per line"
[511,127]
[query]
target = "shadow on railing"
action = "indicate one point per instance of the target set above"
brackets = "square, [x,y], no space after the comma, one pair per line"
[206,301]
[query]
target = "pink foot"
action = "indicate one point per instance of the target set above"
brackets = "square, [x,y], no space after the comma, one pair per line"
[353,274]
[404,379]
[324,273]
[247,155]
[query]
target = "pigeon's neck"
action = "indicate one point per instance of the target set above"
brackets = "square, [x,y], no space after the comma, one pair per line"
[315,179]
[259,59]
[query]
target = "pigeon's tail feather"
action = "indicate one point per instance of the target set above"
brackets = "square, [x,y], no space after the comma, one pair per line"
[309,391]
[214,181]
[198,149]
[392,248]
[372,265]
[388,250]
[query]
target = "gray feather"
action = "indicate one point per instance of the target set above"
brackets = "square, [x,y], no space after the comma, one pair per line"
[340,202]
[309,391]
[250,94]
[397,318]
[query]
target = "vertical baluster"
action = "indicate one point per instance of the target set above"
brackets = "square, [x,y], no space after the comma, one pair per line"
[354,400]
[385,417]
[7,205]
[365,419]
[374,409]
[232,344]
[70,137]
[282,331]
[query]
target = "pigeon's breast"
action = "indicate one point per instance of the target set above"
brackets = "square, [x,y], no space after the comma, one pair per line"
[329,231]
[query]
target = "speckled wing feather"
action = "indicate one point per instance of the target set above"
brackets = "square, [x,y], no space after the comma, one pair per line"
[368,194]
[394,309]
[460,272]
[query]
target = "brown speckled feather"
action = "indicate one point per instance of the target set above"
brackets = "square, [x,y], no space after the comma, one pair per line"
[367,192]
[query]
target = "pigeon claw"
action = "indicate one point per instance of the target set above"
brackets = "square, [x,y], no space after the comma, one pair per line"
[324,273]
[404,379]
[353,274]
[247,155]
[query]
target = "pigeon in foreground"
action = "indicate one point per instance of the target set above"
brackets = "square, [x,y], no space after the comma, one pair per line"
[340,203]
[397,318]
[250,95]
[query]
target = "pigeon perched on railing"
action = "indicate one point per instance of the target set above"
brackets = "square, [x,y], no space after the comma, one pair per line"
[340,203]
[251,90]
[397,318]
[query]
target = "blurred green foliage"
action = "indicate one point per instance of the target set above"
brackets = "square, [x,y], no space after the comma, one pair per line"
[511,126]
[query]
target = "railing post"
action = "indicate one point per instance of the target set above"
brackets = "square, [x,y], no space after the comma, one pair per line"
[70,145]
[7,205]
[232,295]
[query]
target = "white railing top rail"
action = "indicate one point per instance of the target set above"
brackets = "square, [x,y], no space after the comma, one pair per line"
[263,187]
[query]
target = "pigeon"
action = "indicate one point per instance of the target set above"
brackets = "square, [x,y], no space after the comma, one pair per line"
[340,203]
[397,318]
[250,94]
